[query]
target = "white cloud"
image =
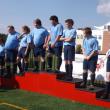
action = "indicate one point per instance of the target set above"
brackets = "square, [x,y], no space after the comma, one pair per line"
[104,7]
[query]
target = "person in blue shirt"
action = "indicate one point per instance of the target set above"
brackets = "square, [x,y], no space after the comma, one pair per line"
[2,56]
[90,52]
[39,36]
[11,49]
[106,93]
[56,31]
[24,49]
[69,36]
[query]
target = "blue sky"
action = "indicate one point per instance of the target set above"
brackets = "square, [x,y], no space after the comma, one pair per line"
[21,12]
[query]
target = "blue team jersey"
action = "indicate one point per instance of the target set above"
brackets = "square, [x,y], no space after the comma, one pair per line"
[26,39]
[90,44]
[12,41]
[2,50]
[39,35]
[70,33]
[56,31]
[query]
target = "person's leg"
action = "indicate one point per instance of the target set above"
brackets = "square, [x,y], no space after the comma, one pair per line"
[19,64]
[66,59]
[68,62]
[26,59]
[92,69]
[42,63]
[107,90]
[42,54]
[36,64]
[8,61]
[19,61]
[107,80]
[26,64]
[92,78]
[3,66]
[36,60]
[14,62]
[49,61]
[58,54]
[54,59]
[85,74]
[66,67]
[107,87]
[71,58]
[49,58]
[70,70]
[0,70]
[58,60]
[8,70]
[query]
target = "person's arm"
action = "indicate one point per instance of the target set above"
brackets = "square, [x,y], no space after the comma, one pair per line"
[93,53]
[46,42]
[27,49]
[95,50]
[106,56]
[29,42]
[59,34]
[47,39]
[20,36]
[83,50]
[62,39]
[69,39]
[84,56]
[56,40]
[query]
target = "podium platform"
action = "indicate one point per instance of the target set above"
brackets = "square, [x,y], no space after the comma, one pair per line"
[54,85]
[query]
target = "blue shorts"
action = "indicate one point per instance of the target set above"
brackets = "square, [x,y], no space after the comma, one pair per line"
[39,51]
[21,53]
[11,55]
[56,51]
[2,60]
[90,64]
[69,53]
[108,65]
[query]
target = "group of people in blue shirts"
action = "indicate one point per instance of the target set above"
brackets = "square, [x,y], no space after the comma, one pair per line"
[15,51]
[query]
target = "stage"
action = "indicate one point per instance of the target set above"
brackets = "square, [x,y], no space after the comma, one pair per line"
[54,85]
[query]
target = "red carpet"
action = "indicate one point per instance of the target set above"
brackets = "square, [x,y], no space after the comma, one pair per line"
[46,83]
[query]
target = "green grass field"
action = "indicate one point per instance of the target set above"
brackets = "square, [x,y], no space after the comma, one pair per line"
[23,100]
